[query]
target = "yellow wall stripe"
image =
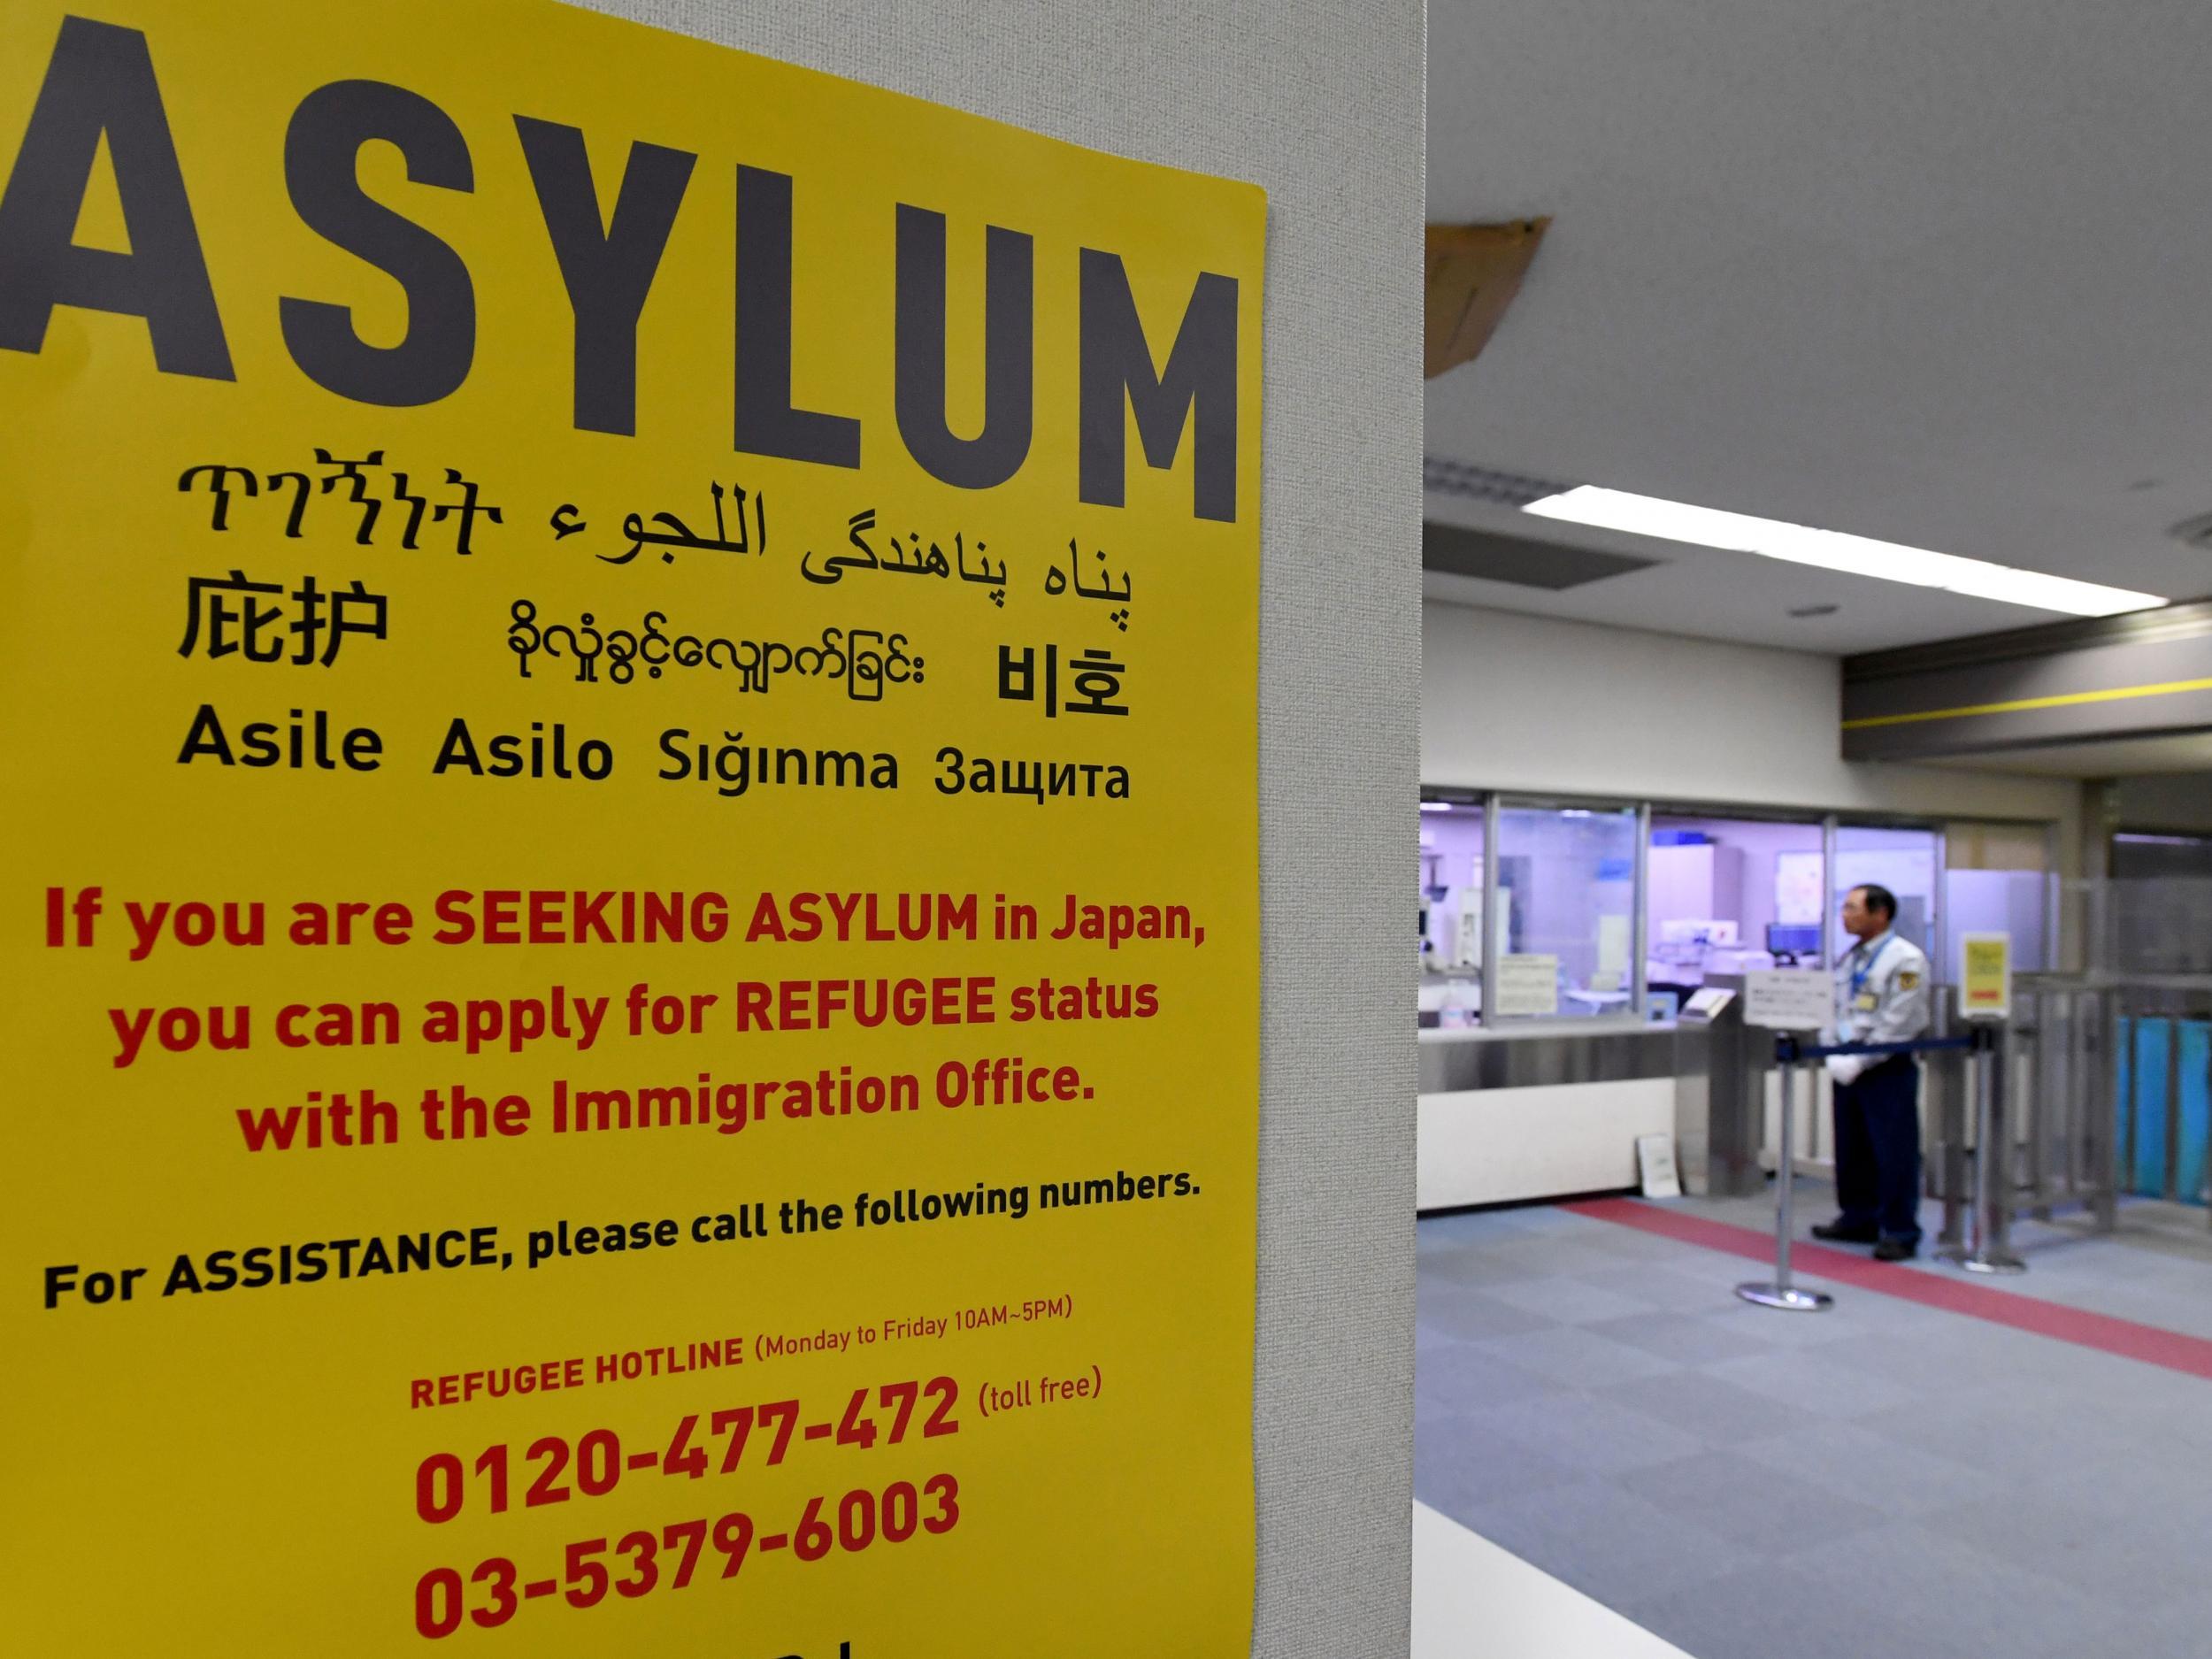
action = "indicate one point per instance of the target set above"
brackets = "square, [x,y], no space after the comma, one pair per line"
[2119,693]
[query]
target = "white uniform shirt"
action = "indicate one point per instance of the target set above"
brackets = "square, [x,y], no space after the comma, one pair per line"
[1882,992]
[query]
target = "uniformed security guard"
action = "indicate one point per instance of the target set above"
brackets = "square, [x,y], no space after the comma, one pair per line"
[1881,996]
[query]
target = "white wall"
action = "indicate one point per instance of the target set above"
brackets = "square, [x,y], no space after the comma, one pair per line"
[1322,104]
[1512,702]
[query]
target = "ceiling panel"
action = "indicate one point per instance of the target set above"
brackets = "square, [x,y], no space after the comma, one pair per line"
[2125,758]
[1936,275]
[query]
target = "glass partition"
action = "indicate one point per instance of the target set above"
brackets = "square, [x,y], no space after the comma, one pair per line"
[2158,905]
[1727,896]
[1566,926]
[1997,879]
[1903,860]
[1575,910]
[1451,912]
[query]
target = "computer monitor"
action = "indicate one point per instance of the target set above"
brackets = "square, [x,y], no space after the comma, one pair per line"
[1793,939]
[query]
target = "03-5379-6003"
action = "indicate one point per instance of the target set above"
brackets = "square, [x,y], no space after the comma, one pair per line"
[667,1558]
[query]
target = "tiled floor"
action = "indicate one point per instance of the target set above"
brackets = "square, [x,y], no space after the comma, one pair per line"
[1884,1479]
[2156,1269]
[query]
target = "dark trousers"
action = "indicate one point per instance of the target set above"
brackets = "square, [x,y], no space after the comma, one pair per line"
[1877,1149]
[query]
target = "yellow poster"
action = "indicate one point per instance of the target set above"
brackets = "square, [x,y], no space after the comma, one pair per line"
[630,898]
[1986,974]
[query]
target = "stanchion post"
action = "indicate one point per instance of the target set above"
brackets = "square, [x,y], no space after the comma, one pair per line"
[1782,1292]
[2103,1063]
[1951,1114]
[1993,1163]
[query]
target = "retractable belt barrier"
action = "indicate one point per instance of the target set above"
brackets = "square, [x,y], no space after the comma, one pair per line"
[1792,1052]
[1790,1048]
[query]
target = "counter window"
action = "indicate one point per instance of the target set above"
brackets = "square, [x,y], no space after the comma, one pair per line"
[1567,909]
[1728,896]
[1997,879]
[1609,909]
[1451,913]
[1903,861]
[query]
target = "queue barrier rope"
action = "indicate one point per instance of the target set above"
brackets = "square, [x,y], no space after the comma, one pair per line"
[1792,1052]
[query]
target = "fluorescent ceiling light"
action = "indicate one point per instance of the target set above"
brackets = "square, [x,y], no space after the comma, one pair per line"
[1436,806]
[1856,555]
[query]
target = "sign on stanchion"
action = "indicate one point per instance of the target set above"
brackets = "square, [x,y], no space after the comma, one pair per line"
[1787,999]
[1985,997]
[1986,975]
[1789,1002]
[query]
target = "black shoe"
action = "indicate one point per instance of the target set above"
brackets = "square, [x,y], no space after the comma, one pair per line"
[1896,1250]
[1837,1233]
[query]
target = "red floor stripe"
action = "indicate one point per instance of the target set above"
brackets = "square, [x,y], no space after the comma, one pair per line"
[2191,1354]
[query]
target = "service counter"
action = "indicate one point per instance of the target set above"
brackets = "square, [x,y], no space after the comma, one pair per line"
[1546,1111]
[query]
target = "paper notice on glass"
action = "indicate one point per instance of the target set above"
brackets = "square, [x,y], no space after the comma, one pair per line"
[1528,983]
[1614,944]
[1786,999]
[1798,881]
[1467,952]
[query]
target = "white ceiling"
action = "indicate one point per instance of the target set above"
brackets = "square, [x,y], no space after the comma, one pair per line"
[1939,274]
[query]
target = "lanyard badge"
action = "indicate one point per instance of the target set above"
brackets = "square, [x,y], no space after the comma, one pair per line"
[1862,999]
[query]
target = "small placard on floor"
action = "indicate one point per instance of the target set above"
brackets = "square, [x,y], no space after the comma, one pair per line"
[1655,1158]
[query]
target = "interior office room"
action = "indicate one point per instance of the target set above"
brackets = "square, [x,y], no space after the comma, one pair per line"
[1822,509]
